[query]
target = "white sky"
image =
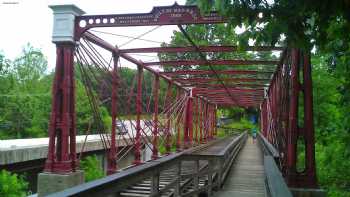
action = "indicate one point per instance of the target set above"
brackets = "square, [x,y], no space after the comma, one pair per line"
[31,21]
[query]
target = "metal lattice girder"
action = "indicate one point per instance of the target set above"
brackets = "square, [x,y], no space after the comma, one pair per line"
[195,90]
[201,49]
[239,99]
[223,79]
[209,72]
[228,85]
[211,62]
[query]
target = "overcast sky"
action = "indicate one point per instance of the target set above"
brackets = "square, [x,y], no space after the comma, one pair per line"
[31,21]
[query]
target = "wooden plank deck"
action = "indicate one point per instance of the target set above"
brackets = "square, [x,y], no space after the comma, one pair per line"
[246,178]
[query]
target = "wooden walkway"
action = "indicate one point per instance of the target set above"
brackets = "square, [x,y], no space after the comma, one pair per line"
[246,178]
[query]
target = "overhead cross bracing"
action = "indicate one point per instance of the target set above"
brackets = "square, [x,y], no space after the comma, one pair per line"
[189,74]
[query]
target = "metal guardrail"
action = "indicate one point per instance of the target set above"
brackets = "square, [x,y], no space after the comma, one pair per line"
[189,182]
[274,182]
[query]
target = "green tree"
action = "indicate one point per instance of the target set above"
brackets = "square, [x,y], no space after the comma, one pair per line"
[11,185]
[92,168]
[25,97]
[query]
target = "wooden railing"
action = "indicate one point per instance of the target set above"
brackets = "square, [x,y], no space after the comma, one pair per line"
[187,174]
[274,182]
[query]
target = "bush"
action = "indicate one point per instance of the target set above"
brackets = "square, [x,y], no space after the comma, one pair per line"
[92,168]
[12,185]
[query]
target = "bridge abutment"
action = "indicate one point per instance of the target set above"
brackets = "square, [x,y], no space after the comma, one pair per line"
[49,182]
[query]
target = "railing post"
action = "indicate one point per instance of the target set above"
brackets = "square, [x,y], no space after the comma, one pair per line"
[155,185]
[137,152]
[155,118]
[177,190]
[196,174]
[112,163]
[210,178]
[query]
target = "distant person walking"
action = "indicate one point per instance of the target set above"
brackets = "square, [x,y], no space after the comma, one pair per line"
[254,134]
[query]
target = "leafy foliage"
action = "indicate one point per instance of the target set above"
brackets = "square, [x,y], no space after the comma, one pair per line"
[92,168]
[11,185]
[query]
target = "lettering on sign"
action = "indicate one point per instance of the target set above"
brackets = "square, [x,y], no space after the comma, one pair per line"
[166,15]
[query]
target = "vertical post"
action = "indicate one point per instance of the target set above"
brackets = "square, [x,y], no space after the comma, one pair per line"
[137,152]
[196,119]
[263,117]
[155,118]
[309,124]
[200,121]
[168,134]
[209,122]
[210,177]
[188,124]
[205,122]
[215,123]
[62,121]
[177,190]
[196,174]
[112,163]
[155,185]
[178,127]
[293,119]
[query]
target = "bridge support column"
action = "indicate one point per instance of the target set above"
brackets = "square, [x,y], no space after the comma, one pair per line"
[309,131]
[178,122]
[306,178]
[61,167]
[200,121]
[188,124]
[263,118]
[155,118]
[137,152]
[168,123]
[112,156]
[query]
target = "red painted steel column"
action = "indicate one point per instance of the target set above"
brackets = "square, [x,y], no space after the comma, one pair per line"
[178,127]
[215,120]
[188,126]
[137,152]
[112,159]
[210,119]
[200,121]
[62,129]
[168,134]
[196,119]
[309,125]
[263,118]
[293,120]
[155,118]
[205,122]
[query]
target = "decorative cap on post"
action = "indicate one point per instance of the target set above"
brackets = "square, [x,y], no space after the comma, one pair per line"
[64,21]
